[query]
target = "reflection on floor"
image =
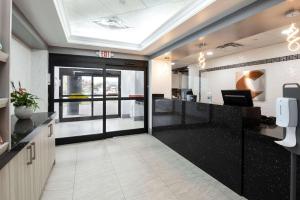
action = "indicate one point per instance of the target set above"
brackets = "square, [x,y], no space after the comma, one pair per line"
[137,167]
[69,129]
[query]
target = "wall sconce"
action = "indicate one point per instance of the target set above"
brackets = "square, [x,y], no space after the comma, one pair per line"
[292,37]
[202,60]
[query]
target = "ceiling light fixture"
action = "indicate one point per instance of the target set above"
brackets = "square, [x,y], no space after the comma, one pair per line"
[209,53]
[292,13]
[230,44]
[292,37]
[172,63]
[202,60]
[113,22]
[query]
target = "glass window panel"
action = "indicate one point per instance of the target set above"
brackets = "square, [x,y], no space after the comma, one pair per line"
[112,107]
[112,86]
[56,83]
[98,108]
[56,110]
[77,85]
[77,109]
[132,83]
[98,85]
[132,116]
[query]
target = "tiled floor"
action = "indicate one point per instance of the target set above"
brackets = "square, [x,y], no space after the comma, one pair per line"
[136,167]
[76,128]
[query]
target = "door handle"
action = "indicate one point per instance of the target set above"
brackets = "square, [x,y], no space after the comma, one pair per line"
[50,126]
[34,151]
[30,155]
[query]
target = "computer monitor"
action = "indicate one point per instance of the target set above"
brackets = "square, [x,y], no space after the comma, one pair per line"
[185,92]
[237,98]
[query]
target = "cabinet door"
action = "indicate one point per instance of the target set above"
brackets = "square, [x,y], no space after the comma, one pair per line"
[30,168]
[20,173]
[37,157]
[45,154]
[51,144]
[4,183]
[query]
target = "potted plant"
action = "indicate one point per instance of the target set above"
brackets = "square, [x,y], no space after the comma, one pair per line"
[24,102]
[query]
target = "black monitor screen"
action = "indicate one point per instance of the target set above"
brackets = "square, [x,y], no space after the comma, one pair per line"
[185,92]
[237,98]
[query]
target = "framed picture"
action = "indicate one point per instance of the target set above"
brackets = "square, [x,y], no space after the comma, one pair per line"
[253,80]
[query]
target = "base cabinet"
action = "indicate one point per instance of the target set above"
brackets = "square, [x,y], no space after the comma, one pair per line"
[20,173]
[4,183]
[26,174]
[266,169]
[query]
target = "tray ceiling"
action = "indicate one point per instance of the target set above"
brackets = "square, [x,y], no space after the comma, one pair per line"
[127,24]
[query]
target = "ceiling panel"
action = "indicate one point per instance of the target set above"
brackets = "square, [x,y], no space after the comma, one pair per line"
[141,20]
[254,32]
[82,9]
[118,7]
[150,3]
[45,17]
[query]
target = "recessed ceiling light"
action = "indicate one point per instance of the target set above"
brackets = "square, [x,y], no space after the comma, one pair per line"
[209,53]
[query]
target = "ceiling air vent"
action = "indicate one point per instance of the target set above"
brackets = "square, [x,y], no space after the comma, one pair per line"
[231,44]
[113,22]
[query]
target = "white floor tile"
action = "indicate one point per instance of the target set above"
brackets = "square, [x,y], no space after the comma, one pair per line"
[137,167]
[77,128]
[57,195]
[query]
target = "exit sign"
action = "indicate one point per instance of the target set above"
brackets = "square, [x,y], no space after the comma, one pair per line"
[105,54]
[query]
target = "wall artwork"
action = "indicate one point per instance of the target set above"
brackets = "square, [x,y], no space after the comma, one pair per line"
[253,80]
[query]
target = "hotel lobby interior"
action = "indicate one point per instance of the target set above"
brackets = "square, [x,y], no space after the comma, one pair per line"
[149,100]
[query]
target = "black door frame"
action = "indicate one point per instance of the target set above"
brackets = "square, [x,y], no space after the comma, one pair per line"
[94,98]
[98,63]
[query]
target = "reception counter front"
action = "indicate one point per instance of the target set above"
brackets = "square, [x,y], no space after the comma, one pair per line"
[227,142]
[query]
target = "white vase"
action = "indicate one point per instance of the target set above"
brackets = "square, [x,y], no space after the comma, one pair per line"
[23,112]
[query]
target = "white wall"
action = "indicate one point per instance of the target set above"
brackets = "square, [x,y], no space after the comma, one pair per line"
[161,78]
[20,63]
[39,77]
[276,75]
[30,67]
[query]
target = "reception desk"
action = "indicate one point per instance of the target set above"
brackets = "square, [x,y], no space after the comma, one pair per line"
[227,142]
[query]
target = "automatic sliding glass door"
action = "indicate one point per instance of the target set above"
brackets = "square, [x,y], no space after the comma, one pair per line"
[130,102]
[79,101]
[99,102]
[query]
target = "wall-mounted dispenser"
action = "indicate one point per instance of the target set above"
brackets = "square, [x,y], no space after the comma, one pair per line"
[292,91]
[287,116]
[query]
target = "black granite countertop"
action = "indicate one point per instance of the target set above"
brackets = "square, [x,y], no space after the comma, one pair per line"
[23,131]
[269,131]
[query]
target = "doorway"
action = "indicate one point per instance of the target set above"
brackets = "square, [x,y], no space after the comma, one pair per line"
[97,98]
[85,87]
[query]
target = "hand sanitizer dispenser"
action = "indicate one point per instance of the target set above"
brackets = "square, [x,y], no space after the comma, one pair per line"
[287,116]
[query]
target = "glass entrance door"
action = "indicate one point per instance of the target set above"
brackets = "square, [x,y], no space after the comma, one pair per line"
[82,92]
[98,101]
[130,101]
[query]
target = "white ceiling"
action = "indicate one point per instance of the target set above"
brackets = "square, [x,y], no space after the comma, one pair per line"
[142,17]
[253,32]
[260,40]
[154,23]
